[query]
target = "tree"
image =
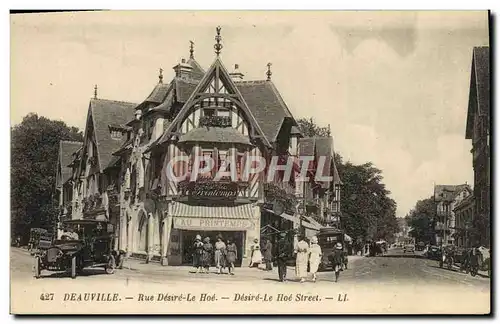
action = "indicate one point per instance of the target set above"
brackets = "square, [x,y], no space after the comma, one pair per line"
[34,153]
[309,128]
[368,213]
[421,220]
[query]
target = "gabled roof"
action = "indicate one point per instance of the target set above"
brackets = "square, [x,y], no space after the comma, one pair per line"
[448,192]
[197,72]
[184,88]
[467,201]
[158,94]
[66,151]
[306,146]
[321,146]
[479,92]
[104,113]
[267,105]
[204,82]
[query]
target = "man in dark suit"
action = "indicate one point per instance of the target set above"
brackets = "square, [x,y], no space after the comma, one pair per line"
[267,253]
[283,254]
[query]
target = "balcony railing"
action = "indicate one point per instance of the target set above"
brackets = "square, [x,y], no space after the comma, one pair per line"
[215,121]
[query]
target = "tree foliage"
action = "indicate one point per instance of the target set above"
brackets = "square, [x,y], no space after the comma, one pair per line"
[34,153]
[368,213]
[309,128]
[421,220]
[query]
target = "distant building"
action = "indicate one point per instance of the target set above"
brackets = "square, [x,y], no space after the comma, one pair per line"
[464,213]
[64,183]
[445,199]
[478,130]
[404,231]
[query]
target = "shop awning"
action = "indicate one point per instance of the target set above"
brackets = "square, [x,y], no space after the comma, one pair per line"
[310,225]
[232,212]
[286,216]
[216,218]
[315,225]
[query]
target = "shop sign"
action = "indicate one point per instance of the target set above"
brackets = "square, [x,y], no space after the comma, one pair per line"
[209,190]
[212,223]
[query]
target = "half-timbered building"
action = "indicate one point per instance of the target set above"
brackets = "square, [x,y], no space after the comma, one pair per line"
[165,191]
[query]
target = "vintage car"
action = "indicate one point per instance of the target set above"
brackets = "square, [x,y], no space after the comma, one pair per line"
[328,237]
[91,249]
[420,246]
[434,252]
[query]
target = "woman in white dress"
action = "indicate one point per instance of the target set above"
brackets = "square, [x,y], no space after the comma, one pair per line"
[314,257]
[256,254]
[302,251]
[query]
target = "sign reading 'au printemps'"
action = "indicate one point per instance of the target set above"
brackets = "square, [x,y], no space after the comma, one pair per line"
[212,223]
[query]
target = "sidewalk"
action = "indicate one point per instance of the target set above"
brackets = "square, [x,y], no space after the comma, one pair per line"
[141,265]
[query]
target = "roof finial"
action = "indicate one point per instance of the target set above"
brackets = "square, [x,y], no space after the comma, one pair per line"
[160,76]
[269,73]
[95,91]
[191,50]
[328,132]
[218,46]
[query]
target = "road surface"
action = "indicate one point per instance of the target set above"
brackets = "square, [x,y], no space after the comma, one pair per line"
[393,283]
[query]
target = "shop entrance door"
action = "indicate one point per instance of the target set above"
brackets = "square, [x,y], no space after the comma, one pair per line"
[188,241]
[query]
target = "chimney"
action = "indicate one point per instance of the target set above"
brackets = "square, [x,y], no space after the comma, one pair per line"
[236,75]
[183,70]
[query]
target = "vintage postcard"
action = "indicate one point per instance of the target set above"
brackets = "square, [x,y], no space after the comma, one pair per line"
[170,162]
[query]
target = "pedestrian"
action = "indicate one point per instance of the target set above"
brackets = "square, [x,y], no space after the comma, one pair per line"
[207,254]
[268,255]
[301,260]
[337,259]
[256,258]
[315,255]
[198,254]
[231,255]
[283,254]
[220,251]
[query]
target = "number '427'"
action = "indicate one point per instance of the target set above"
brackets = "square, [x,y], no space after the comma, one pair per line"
[47,296]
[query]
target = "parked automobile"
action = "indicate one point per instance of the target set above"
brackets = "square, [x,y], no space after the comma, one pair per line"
[420,246]
[327,238]
[409,248]
[91,249]
[434,253]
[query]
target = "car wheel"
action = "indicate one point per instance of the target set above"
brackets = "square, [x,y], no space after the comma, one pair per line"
[110,267]
[37,267]
[73,267]
[473,271]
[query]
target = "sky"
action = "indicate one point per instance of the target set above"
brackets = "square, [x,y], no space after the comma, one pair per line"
[392,85]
